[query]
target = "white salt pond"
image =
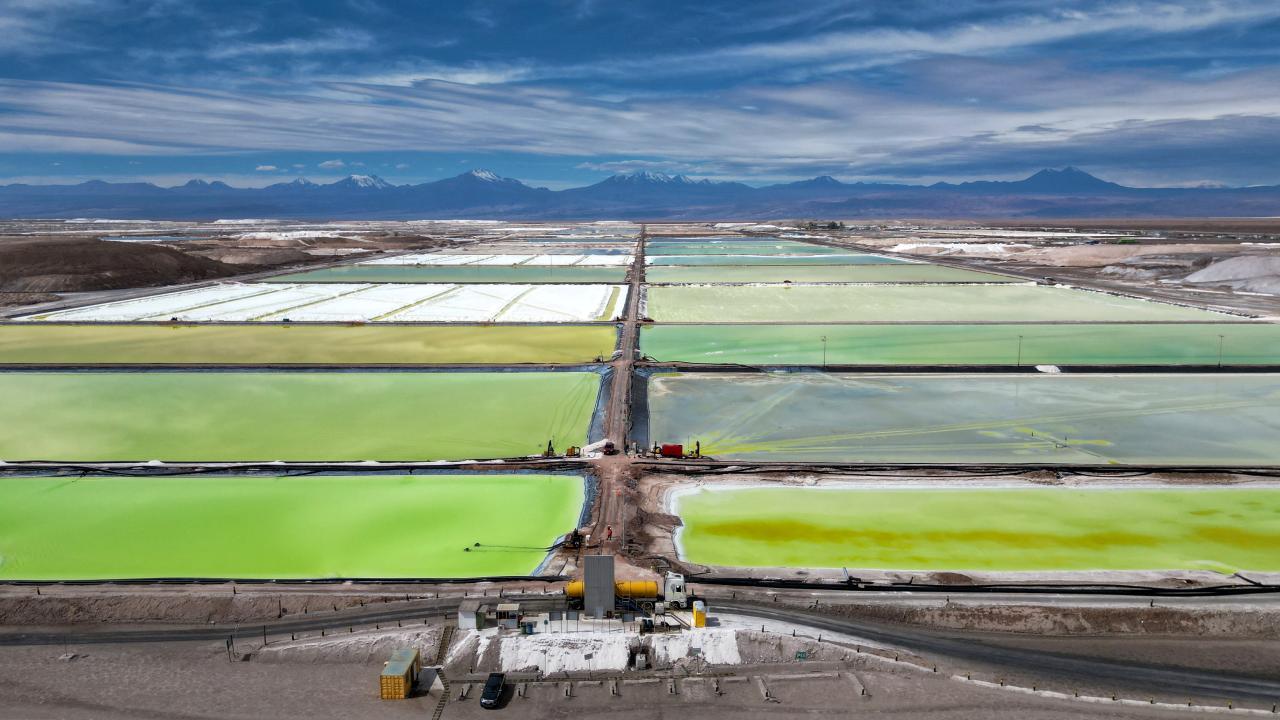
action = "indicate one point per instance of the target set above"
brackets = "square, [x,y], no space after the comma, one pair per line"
[358,302]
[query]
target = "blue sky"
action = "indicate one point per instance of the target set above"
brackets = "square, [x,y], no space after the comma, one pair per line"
[563,93]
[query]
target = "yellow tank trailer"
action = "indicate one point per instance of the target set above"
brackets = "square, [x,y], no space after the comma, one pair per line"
[399,675]
[628,589]
[671,590]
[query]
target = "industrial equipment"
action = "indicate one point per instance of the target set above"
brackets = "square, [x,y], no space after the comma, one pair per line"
[676,450]
[672,591]
[605,447]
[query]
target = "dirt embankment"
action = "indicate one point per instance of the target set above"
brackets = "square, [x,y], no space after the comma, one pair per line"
[175,607]
[53,265]
[1075,620]
[34,269]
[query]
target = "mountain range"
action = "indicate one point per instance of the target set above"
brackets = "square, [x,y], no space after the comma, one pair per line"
[1050,193]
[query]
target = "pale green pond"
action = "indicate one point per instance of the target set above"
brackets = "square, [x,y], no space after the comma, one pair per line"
[1150,420]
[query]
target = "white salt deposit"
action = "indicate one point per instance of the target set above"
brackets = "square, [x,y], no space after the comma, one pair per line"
[561,303]
[961,247]
[716,646]
[477,303]
[616,260]
[156,305]
[551,653]
[256,307]
[364,305]
[359,302]
[299,235]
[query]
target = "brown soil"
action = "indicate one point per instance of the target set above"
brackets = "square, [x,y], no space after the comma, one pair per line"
[16,299]
[259,256]
[51,265]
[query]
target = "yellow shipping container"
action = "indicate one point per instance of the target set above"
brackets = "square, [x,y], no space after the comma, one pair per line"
[399,675]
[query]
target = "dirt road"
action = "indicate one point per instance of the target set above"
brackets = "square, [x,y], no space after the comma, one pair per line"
[613,511]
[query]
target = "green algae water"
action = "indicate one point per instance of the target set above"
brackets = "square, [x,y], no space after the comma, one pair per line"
[517,274]
[301,344]
[329,416]
[847,273]
[906,303]
[1132,419]
[1004,529]
[373,526]
[1006,344]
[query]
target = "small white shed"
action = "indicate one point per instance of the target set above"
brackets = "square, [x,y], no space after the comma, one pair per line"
[467,613]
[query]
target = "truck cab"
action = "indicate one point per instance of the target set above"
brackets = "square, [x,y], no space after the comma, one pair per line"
[675,592]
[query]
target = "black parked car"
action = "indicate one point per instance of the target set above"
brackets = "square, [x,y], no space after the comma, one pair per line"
[493,688]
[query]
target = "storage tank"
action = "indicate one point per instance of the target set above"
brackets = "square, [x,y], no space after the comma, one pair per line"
[630,589]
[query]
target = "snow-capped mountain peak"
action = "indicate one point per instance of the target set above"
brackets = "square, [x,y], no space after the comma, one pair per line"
[654,178]
[366,181]
[486,175]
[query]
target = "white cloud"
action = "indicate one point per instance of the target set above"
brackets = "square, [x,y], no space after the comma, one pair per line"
[843,127]
[336,40]
[266,168]
[402,166]
[843,51]
[410,74]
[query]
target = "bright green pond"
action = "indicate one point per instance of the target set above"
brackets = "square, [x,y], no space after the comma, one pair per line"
[1133,419]
[372,526]
[517,274]
[1222,529]
[294,416]
[1067,344]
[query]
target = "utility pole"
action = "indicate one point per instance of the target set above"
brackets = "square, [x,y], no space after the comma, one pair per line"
[824,352]
[1019,351]
[1221,338]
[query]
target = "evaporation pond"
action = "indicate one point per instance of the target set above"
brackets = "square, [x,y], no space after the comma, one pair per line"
[301,344]
[992,344]
[992,529]
[780,260]
[741,248]
[329,416]
[517,274]
[904,303]
[870,273]
[318,526]
[1166,419]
